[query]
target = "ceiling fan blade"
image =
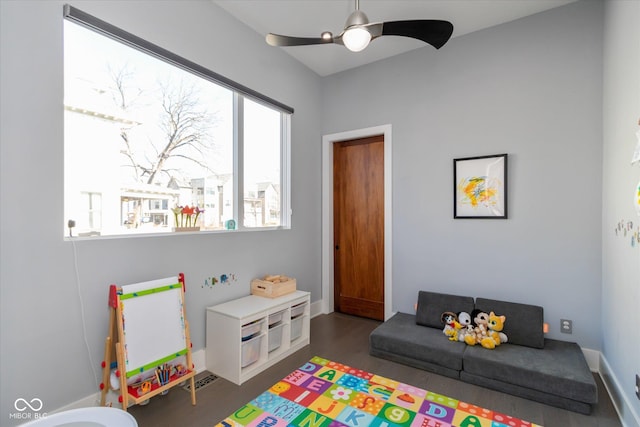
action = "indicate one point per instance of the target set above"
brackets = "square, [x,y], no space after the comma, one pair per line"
[434,32]
[280,40]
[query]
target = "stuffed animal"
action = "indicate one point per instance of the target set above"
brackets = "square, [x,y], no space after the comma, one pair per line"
[464,319]
[451,325]
[479,321]
[495,336]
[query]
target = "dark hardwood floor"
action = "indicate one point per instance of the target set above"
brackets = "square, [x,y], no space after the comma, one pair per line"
[345,339]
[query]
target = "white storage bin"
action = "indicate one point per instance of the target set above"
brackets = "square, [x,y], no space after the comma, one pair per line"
[297,310]
[251,329]
[296,327]
[276,317]
[275,337]
[251,351]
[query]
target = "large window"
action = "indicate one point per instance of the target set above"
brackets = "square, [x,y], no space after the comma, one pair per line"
[156,144]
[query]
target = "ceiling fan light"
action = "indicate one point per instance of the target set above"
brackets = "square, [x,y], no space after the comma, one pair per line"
[356,38]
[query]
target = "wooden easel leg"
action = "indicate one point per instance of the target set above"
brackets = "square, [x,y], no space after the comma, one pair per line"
[106,370]
[190,362]
[124,391]
[108,351]
[193,391]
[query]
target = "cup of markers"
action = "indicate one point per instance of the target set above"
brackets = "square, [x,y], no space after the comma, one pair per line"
[163,375]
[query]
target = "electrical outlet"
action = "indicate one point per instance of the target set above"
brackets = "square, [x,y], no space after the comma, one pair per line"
[566,326]
[638,386]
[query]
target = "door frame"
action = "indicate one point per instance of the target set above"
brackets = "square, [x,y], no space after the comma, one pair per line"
[327,214]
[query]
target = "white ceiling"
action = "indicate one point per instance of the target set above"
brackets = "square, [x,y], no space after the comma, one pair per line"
[309,18]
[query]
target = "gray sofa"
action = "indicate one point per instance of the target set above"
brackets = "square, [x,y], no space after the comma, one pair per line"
[528,365]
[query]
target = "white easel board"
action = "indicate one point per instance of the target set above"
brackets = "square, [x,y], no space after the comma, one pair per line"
[153,324]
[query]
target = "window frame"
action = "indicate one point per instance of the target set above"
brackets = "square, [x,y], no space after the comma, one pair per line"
[240,92]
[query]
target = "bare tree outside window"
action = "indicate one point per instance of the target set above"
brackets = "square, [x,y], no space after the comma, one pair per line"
[184,124]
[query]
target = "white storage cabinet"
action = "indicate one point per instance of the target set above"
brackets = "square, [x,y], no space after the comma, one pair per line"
[247,335]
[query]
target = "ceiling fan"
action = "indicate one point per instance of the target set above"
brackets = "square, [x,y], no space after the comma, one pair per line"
[358,32]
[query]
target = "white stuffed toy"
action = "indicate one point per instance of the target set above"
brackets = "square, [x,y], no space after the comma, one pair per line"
[464,319]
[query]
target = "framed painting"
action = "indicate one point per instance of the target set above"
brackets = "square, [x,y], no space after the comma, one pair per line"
[480,187]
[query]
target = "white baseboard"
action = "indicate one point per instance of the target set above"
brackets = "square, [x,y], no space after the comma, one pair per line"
[316,308]
[593,359]
[618,397]
[198,359]
[85,402]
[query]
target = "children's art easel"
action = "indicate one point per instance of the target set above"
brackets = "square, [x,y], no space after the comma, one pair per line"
[148,337]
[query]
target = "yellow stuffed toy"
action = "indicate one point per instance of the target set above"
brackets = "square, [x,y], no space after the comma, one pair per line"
[495,336]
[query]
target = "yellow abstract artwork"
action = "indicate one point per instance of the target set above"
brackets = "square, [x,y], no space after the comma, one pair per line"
[480,186]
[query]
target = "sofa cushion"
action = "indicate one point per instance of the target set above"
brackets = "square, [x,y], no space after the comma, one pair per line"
[524,324]
[402,336]
[431,305]
[559,369]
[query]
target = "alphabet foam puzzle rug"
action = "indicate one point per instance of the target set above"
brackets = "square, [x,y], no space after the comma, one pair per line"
[322,393]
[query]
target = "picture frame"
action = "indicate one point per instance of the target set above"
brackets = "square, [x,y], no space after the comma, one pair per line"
[480,187]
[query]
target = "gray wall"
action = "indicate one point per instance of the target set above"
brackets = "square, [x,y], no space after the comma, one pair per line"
[43,341]
[532,89]
[621,261]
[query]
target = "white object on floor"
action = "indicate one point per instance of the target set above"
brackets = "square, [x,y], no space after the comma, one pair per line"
[98,416]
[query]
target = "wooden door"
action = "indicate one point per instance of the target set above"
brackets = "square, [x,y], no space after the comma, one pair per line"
[358,218]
